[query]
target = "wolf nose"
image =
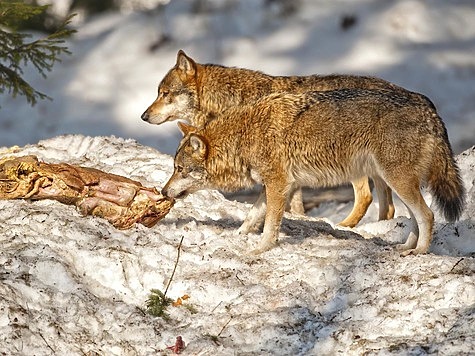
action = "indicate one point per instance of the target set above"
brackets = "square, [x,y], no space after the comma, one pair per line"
[145,116]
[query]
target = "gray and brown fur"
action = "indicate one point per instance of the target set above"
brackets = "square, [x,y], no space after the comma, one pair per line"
[197,92]
[322,139]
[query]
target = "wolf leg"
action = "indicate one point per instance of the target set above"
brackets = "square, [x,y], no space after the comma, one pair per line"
[295,204]
[363,199]
[255,217]
[276,196]
[423,218]
[385,197]
[411,241]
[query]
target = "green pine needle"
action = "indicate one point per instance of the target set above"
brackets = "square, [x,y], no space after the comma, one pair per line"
[16,51]
[157,303]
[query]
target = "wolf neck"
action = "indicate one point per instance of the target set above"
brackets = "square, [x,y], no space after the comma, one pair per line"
[227,163]
[222,87]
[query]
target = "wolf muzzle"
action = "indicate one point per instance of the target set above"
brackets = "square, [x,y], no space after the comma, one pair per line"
[172,194]
[145,116]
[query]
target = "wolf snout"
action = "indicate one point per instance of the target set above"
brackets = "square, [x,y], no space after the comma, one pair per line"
[173,193]
[145,116]
[165,192]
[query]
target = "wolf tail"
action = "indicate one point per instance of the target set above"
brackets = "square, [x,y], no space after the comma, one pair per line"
[445,182]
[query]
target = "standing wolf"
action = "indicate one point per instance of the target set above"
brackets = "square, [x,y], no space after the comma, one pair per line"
[194,92]
[320,139]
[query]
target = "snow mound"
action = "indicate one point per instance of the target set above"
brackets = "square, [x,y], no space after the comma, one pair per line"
[75,285]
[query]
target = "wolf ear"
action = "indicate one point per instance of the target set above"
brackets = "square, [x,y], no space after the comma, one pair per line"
[198,144]
[185,128]
[185,63]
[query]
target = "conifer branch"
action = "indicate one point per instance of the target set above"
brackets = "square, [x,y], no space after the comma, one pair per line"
[16,52]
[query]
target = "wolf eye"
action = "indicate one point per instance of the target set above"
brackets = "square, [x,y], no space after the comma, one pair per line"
[179,169]
[164,93]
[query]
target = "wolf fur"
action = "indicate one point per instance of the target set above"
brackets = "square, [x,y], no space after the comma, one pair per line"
[198,92]
[321,139]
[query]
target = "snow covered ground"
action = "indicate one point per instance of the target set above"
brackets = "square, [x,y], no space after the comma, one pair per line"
[73,285]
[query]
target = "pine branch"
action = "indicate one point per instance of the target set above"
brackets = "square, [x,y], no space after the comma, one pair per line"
[14,12]
[16,52]
[11,81]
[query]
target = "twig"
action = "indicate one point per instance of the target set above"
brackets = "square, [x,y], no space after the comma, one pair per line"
[222,329]
[216,307]
[240,280]
[46,342]
[215,338]
[455,265]
[174,268]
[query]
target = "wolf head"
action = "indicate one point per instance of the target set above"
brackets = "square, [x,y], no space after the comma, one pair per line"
[190,174]
[177,93]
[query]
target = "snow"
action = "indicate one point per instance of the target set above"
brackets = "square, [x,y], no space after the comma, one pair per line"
[76,285]
[73,285]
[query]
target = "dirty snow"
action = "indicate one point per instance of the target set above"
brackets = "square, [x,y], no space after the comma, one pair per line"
[73,285]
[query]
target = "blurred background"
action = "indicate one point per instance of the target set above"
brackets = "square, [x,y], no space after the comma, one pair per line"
[122,49]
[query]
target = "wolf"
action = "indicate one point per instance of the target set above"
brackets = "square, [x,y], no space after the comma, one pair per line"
[198,92]
[320,139]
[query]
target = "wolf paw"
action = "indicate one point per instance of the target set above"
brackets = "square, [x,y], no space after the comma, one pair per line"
[243,230]
[263,247]
[409,245]
[406,249]
[258,251]
[413,251]
[403,247]
[348,223]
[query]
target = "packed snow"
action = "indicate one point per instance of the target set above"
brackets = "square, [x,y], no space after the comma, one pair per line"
[74,285]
